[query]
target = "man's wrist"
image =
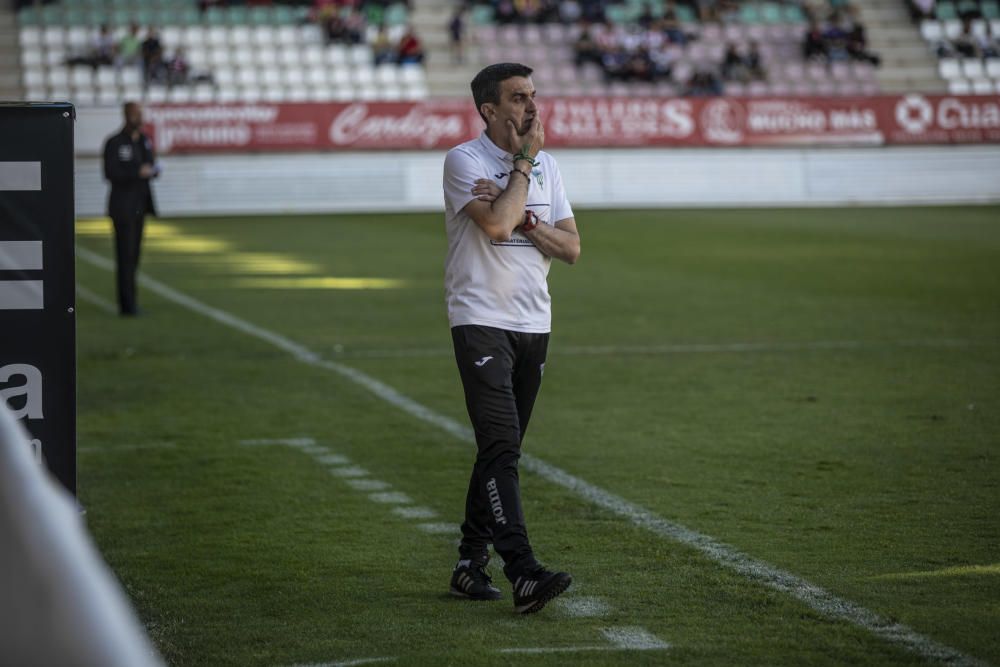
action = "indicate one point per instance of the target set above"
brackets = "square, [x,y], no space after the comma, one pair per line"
[523,172]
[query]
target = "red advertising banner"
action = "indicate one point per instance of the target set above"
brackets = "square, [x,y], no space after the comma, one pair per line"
[582,122]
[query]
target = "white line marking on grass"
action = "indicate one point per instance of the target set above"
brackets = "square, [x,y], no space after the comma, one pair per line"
[126,448]
[415,512]
[316,450]
[347,663]
[368,484]
[682,348]
[333,460]
[352,471]
[390,498]
[760,572]
[634,639]
[95,299]
[291,442]
[439,528]
[558,649]
[583,606]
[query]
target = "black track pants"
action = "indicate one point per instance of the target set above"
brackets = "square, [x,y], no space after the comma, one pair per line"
[128,238]
[501,373]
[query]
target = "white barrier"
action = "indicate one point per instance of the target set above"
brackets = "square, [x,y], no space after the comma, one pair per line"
[60,604]
[652,178]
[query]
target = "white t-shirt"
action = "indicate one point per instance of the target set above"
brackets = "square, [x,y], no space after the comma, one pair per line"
[490,283]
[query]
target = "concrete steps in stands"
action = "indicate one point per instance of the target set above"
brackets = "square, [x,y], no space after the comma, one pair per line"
[10,57]
[907,63]
[444,77]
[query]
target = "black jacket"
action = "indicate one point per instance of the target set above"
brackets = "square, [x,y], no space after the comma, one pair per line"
[131,196]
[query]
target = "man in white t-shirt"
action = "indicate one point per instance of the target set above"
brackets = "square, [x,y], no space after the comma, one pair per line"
[507,216]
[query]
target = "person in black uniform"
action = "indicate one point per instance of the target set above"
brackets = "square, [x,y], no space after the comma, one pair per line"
[129,164]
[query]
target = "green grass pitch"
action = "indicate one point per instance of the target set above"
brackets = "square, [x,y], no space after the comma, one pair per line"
[817,389]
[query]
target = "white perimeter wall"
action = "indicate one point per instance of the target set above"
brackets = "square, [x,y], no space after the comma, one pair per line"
[411,181]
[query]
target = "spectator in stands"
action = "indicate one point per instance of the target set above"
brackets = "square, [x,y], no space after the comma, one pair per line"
[570,11]
[703,83]
[742,67]
[153,67]
[456,30]
[504,12]
[101,52]
[857,45]
[966,44]
[410,49]
[921,9]
[340,30]
[383,49]
[670,26]
[178,68]
[987,42]
[814,44]
[130,47]
[835,38]
[585,49]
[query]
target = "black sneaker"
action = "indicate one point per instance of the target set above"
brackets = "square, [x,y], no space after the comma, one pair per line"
[533,590]
[469,580]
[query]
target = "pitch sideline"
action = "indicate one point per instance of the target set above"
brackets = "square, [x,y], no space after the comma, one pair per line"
[818,599]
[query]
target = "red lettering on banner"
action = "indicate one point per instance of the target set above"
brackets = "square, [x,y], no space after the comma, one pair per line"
[583,122]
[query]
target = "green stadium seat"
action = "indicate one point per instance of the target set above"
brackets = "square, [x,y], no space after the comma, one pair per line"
[750,13]
[771,13]
[284,15]
[214,16]
[51,15]
[28,16]
[685,14]
[396,15]
[189,16]
[482,15]
[991,10]
[237,15]
[794,14]
[259,16]
[945,11]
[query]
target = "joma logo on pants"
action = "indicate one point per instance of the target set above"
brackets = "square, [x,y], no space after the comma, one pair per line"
[494,496]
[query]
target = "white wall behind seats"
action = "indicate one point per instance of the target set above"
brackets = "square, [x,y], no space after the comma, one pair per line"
[411,181]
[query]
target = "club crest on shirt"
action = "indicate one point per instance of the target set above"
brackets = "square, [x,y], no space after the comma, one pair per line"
[125,152]
[537,173]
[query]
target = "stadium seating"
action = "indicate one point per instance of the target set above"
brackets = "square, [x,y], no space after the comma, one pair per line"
[777,29]
[964,75]
[239,53]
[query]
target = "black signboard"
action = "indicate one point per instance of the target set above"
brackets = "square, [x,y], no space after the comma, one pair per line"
[37,281]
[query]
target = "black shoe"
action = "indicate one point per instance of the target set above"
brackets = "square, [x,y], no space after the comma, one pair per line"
[533,590]
[469,580]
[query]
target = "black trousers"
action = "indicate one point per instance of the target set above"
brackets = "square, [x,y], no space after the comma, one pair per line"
[501,372]
[128,239]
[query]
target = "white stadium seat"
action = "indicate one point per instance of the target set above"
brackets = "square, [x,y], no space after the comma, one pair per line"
[203,93]
[180,95]
[78,38]
[294,76]
[269,76]
[931,31]
[339,76]
[310,34]
[950,68]
[363,75]
[54,36]
[217,36]
[172,36]
[274,95]
[263,35]
[156,94]
[387,74]
[219,56]
[194,37]
[361,54]
[316,76]
[130,76]
[32,58]
[336,54]
[287,35]
[81,77]
[982,87]
[227,95]
[107,97]
[993,68]
[240,36]
[264,55]
[411,74]
[289,56]
[959,87]
[972,68]
[320,94]
[106,77]
[34,77]
[247,76]
[952,28]
[31,37]
[390,93]
[55,56]
[297,94]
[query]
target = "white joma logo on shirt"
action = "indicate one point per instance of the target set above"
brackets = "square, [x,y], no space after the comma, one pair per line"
[482,362]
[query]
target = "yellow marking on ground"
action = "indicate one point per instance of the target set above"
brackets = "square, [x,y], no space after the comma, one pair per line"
[170,239]
[957,571]
[321,282]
